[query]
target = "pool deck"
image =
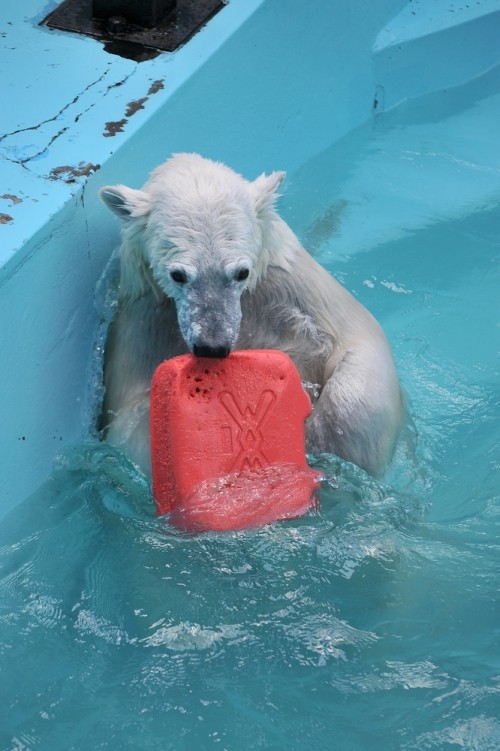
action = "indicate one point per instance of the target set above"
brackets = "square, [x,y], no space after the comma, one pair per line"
[68,105]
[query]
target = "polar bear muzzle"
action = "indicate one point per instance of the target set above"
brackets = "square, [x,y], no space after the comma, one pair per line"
[209,315]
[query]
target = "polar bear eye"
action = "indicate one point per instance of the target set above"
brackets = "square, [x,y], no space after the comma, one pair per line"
[242,274]
[178,276]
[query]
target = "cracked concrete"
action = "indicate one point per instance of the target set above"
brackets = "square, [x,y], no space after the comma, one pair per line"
[59,98]
[13,146]
[68,106]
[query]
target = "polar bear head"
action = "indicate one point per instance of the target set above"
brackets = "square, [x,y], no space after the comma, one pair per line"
[200,234]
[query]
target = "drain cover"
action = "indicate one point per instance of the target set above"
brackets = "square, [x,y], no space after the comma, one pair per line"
[125,37]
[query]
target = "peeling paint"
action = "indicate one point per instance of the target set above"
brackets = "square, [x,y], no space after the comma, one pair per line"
[14,199]
[155,87]
[69,174]
[112,128]
[135,106]
[5,219]
[117,126]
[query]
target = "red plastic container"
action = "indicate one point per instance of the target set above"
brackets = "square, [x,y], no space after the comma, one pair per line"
[227,440]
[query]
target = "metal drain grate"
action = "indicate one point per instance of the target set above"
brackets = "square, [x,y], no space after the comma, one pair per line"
[122,35]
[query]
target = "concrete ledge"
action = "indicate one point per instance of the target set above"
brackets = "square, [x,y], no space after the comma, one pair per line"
[68,106]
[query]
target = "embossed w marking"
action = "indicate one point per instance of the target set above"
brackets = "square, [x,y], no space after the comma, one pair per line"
[247,425]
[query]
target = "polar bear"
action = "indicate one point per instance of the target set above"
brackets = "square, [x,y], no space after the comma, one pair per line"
[208,266]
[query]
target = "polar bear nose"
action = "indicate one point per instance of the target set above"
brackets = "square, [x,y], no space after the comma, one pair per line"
[203,350]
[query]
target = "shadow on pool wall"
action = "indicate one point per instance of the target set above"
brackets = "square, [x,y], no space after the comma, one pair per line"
[279,90]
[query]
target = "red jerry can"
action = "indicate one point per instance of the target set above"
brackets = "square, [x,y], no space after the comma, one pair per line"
[228,440]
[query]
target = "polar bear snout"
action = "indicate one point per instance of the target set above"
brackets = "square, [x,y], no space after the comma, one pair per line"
[209,316]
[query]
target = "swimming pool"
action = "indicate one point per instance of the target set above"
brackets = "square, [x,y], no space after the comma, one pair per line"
[370,624]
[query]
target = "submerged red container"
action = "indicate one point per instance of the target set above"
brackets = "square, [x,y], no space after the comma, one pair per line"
[231,419]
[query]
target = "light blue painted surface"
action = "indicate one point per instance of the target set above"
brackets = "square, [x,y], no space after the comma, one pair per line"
[435,44]
[243,90]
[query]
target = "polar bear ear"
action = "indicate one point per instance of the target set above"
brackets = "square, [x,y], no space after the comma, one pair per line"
[265,190]
[125,202]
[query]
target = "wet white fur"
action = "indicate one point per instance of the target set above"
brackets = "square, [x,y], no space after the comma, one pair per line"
[201,219]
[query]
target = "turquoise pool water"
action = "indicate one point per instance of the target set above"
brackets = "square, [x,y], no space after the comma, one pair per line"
[373,623]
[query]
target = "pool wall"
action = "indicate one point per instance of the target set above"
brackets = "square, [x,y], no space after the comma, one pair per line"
[75,118]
